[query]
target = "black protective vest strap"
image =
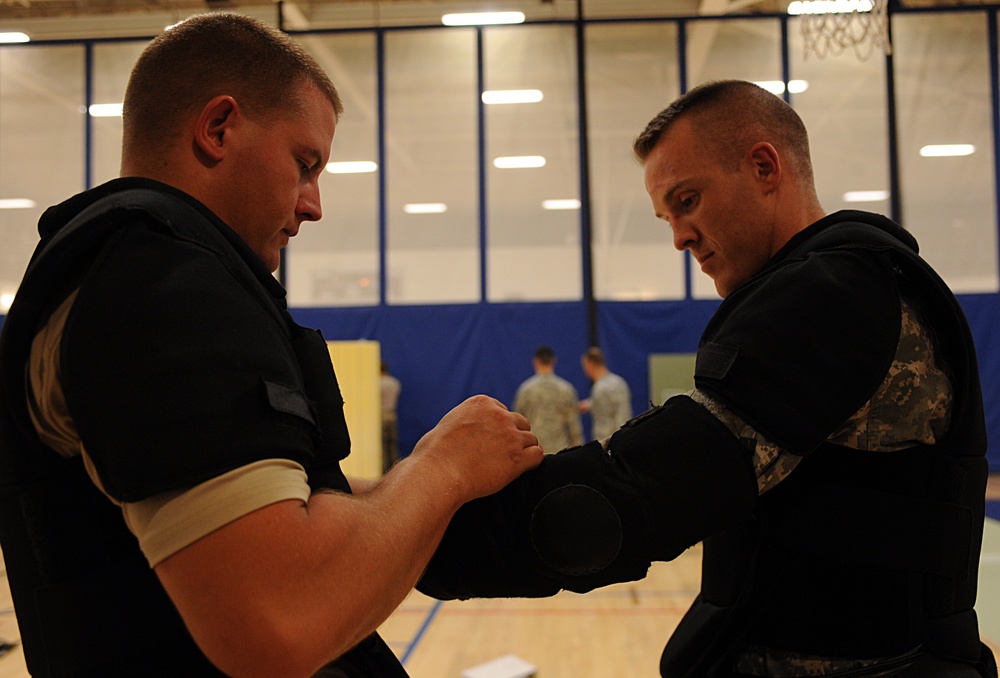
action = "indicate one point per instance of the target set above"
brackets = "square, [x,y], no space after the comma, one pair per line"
[87,602]
[939,491]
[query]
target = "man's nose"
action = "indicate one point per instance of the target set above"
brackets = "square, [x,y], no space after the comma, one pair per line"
[310,207]
[684,235]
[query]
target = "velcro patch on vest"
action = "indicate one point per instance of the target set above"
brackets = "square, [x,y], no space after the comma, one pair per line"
[284,399]
[714,361]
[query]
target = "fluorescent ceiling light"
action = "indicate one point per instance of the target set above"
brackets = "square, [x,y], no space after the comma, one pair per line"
[106,110]
[519,161]
[351,167]
[425,208]
[482,18]
[829,6]
[6,300]
[777,87]
[866,196]
[561,204]
[512,96]
[16,203]
[14,36]
[947,150]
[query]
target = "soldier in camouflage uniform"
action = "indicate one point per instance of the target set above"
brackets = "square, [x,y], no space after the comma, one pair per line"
[831,457]
[610,402]
[549,402]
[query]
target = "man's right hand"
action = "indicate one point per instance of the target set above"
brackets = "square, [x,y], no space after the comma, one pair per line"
[483,444]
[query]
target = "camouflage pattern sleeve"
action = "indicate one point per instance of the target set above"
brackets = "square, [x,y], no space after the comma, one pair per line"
[761,661]
[912,406]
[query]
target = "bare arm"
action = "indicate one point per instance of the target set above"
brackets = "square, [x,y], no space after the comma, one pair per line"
[290,587]
[361,486]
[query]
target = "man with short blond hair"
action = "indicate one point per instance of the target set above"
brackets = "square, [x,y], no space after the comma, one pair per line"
[172,503]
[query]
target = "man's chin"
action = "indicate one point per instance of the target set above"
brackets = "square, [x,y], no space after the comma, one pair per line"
[273,262]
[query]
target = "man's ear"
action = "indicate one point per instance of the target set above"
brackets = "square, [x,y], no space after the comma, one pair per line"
[214,124]
[766,165]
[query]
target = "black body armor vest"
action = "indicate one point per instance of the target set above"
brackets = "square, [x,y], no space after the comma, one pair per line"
[86,600]
[855,554]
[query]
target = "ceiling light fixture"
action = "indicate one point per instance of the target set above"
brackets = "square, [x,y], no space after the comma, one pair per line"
[482,18]
[16,203]
[351,167]
[105,110]
[519,161]
[425,208]
[512,96]
[866,196]
[9,37]
[947,150]
[561,204]
[6,301]
[777,87]
[829,6]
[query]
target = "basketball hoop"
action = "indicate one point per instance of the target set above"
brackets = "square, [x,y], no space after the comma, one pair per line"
[829,27]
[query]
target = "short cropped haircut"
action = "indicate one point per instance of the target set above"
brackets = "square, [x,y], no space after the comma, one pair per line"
[209,55]
[594,356]
[730,116]
[545,355]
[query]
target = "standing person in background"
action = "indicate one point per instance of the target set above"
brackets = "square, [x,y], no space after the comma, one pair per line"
[390,388]
[171,498]
[610,402]
[549,402]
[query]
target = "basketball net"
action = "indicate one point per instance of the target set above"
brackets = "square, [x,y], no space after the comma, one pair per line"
[829,27]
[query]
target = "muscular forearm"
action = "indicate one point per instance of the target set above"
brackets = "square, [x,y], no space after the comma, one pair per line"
[289,587]
[387,554]
[311,580]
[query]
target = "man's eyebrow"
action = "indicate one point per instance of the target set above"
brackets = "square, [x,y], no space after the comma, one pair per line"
[670,192]
[312,154]
[317,157]
[668,196]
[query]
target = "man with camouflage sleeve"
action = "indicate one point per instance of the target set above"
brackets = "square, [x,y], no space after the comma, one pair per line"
[831,456]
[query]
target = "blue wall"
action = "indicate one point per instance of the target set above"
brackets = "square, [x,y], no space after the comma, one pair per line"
[444,354]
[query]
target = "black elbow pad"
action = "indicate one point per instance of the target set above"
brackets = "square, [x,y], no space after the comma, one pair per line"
[576,530]
[589,517]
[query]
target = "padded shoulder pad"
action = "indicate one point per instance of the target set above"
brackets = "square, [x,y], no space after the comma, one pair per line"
[798,350]
[219,384]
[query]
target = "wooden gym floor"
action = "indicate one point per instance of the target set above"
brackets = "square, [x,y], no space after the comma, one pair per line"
[615,631]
